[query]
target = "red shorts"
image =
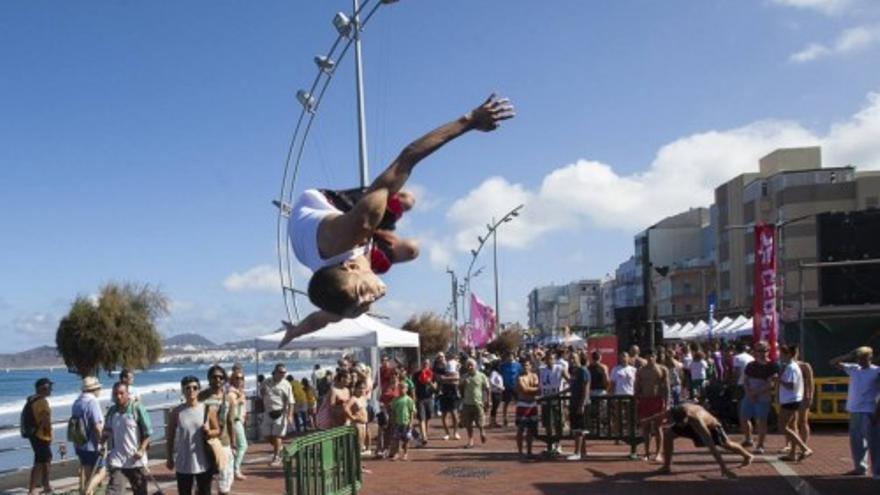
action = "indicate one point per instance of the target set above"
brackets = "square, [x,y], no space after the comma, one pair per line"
[649,406]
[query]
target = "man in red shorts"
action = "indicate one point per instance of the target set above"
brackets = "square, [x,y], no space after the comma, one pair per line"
[652,392]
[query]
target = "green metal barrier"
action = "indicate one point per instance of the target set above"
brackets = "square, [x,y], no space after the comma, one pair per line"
[609,417]
[323,463]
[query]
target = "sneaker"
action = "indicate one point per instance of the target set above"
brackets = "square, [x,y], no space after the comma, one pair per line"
[759,451]
[446,437]
[574,457]
[747,443]
[276,462]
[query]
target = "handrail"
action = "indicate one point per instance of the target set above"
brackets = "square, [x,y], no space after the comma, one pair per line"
[608,417]
[323,463]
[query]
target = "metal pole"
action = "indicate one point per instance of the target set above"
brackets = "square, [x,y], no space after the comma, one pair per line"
[359,79]
[495,271]
[802,311]
[454,281]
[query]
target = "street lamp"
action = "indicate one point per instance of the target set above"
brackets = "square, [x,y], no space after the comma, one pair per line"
[492,230]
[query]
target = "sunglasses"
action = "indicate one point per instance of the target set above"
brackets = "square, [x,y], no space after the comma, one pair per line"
[218,377]
[191,388]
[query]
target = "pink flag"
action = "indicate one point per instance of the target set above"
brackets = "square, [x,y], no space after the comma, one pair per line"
[482,326]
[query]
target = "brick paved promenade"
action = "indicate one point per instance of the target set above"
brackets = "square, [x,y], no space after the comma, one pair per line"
[494,468]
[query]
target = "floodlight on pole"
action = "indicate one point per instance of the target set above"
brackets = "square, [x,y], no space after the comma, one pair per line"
[342,24]
[306,100]
[325,63]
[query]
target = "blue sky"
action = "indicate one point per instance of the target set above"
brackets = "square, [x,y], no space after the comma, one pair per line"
[143,141]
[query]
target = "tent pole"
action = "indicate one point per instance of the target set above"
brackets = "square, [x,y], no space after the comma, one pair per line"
[257,355]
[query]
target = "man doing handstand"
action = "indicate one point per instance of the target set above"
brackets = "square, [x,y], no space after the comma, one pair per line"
[334,243]
[693,422]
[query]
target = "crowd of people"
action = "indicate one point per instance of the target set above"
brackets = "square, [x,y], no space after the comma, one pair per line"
[682,390]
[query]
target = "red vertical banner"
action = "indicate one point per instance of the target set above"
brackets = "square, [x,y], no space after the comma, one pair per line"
[764,314]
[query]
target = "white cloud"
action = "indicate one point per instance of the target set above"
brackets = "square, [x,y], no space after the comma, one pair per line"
[848,41]
[683,174]
[425,199]
[264,278]
[258,278]
[35,325]
[177,306]
[823,6]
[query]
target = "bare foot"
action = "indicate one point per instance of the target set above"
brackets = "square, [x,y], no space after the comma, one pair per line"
[806,454]
[747,461]
[658,458]
[240,477]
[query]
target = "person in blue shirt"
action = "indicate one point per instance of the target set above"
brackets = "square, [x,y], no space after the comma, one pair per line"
[87,411]
[510,370]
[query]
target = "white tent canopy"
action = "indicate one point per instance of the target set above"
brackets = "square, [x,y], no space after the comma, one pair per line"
[671,331]
[363,331]
[727,328]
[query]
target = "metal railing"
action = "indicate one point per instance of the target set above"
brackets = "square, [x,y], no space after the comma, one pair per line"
[323,463]
[608,417]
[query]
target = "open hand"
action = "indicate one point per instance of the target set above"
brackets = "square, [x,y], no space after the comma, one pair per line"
[488,116]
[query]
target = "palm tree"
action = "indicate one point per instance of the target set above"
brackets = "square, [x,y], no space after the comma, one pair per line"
[116,329]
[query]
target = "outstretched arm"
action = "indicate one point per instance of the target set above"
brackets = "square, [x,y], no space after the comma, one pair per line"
[357,225]
[312,323]
[839,360]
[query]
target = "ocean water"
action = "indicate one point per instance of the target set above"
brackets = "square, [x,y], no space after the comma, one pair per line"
[157,387]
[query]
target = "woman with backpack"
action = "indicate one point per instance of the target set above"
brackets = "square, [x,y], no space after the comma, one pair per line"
[189,427]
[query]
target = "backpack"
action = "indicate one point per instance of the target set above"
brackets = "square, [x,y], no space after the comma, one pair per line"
[76,431]
[27,423]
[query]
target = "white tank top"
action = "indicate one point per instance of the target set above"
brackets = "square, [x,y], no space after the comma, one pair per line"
[309,210]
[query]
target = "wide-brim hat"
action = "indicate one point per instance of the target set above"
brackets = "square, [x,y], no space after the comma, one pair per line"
[90,383]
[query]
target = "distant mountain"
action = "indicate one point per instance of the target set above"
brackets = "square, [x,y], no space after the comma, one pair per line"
[188,339]
[38,357]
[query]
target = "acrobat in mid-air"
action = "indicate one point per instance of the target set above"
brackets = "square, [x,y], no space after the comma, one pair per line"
[346,237]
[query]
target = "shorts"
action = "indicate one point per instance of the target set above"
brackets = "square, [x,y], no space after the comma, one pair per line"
[87,457]
[758,410]
[402,433]
[42,450]
[273,427]
[719,436]
[471,413]
[119,478]
[791,406]
[649,406]
[448,403]
[527,415]
[507,396]
[577,418]
[425,409]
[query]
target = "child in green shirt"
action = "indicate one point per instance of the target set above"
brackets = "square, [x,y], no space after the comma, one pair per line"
[403,409]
